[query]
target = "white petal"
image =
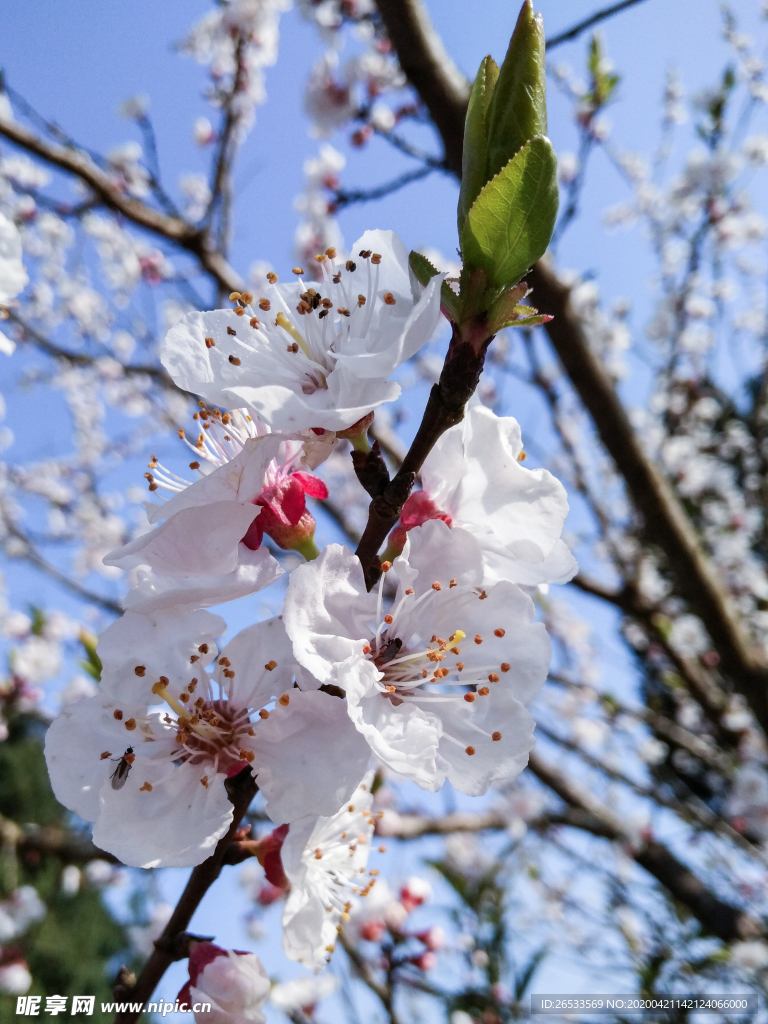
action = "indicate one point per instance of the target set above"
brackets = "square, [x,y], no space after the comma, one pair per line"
[200,540]
[516,514]
[249,653]
[346,400]
[162,642]
[326,611]
[155,591]
[558,567]
[435,553]
[185,356]
[176,824]
[237,986]
[74,743]
[343,840]
[308,929]
[405,737]
[473,726]
[309,756]
[525,644]
[394,274]
[240,480]
[13,276]
[396,344]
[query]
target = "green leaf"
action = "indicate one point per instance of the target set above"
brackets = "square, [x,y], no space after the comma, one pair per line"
[604,84]
[511,222]
[424,271]
[474,159]
[505,308]
[528,321]
[518,110]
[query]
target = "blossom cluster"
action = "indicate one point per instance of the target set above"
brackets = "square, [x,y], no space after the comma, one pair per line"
[428,675]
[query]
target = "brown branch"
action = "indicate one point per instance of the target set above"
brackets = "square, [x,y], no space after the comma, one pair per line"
[413,826]
[32,556]
[584,812]
[366,975]
[665,521]
[428,67]
[691,810]
[221,188]
[445,408]
[71,847]
[82,359]
[242,789]
[666,524]
[701,681]
[700,747]
[174,229]
[727,922]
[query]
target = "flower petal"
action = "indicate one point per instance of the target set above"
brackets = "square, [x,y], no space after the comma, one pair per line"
[309,756]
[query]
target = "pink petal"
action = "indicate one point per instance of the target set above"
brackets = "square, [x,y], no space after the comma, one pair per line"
[313,485]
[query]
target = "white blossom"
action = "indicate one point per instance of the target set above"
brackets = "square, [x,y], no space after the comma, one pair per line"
[317,367]
[328,101]
[303,993]
[438,684]
[13,276]
[20,910]
[473,479]
[173,807]
[249,483]
[748,799]
[213,41]
[750,956]
[15,978]
[37,659]
[233,983]
[324,859]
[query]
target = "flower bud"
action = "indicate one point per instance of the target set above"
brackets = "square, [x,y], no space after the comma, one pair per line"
[426,962]
[233,982]
[433,938]
[373,930]
[414,892]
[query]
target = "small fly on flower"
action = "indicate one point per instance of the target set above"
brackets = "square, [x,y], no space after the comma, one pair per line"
[120,774]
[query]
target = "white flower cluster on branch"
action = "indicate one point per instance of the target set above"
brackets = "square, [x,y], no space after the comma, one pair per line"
[432,680]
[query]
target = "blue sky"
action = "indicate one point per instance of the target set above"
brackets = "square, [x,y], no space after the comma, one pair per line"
[76,61]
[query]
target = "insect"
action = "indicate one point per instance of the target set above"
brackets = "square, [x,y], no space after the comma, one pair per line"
[120,774]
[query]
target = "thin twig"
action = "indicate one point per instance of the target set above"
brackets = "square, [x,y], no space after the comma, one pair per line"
[700,746]
[593,19]
[366,975]
[344,197]
[190,237]
[35,558]
[242,789]
[71,847]
[729,923]
[445,408]
[82,359]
